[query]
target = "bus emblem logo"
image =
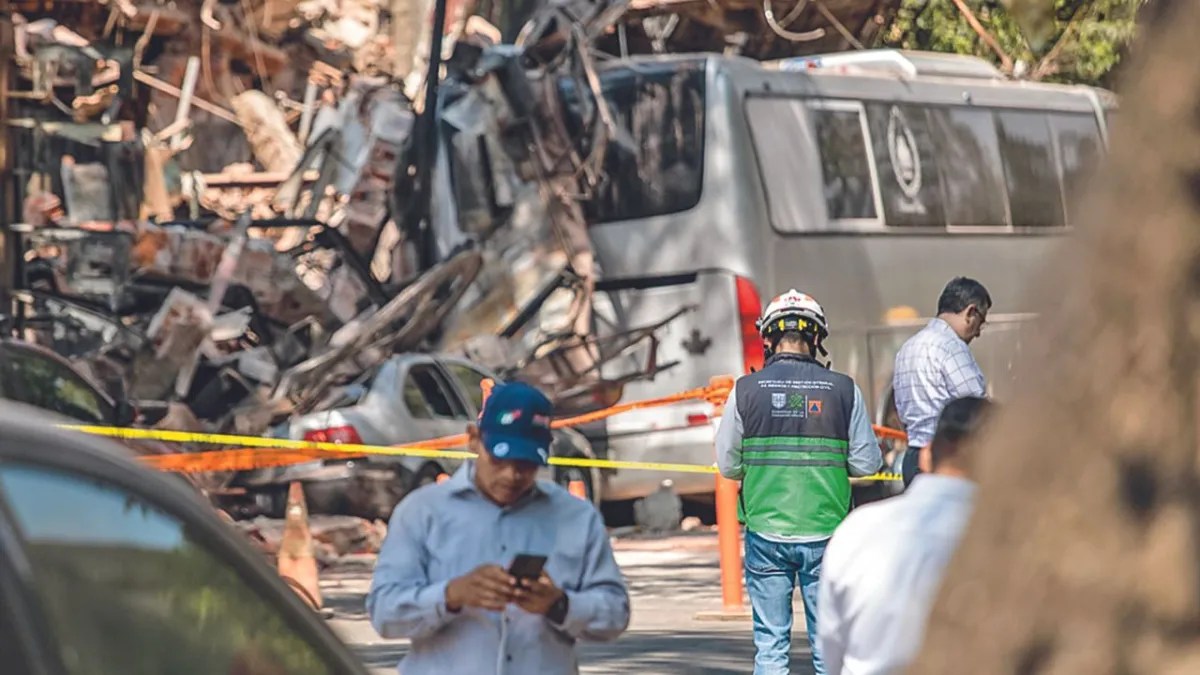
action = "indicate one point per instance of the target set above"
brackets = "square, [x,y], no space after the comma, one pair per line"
[906,160]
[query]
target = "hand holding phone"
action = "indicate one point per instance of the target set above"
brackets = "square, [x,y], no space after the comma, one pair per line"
[535,592]
[487,587]
[527,566]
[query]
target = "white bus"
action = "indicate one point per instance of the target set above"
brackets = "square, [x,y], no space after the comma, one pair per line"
[867,179]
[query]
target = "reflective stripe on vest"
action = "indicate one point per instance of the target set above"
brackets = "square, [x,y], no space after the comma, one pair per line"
[794,492]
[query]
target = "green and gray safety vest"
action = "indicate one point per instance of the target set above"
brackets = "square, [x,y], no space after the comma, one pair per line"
[795,443]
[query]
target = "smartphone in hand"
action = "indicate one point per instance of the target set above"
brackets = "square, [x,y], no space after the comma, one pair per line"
[527,566]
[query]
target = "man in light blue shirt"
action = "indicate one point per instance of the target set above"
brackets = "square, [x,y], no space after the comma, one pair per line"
[441,578]
[936,366]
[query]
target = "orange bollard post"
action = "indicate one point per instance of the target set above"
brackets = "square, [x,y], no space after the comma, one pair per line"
[577,489]
[729,543]
[729,538]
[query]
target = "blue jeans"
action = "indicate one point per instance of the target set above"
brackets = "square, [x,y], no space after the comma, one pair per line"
[772,572]
[912,465]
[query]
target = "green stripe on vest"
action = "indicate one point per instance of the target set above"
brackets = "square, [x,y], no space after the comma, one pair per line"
[795,496]
[826,463]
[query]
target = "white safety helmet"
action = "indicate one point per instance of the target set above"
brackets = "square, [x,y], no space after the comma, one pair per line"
[793,311]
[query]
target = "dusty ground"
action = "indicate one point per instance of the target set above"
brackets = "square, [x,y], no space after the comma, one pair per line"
[671,580]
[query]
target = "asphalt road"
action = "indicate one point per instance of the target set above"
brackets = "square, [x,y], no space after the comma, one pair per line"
[671,581]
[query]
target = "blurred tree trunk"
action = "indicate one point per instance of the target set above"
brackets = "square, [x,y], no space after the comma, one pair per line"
[1083,556]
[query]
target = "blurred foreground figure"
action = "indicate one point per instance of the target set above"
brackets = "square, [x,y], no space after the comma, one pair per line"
[884,565]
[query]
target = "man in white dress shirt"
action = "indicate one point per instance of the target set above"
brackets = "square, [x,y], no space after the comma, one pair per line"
[883,567]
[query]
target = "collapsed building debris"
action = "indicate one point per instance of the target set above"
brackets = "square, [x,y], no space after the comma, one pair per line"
[238,208]
[334,537]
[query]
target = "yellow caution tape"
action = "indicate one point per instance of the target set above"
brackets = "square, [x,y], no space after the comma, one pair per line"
[879,477]
[251,452]
[243,460]
[642,466]
[431,448]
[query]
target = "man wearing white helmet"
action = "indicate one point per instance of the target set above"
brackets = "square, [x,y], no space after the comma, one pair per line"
[793,433]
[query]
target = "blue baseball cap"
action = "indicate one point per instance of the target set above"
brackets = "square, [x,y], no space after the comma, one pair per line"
[515,423]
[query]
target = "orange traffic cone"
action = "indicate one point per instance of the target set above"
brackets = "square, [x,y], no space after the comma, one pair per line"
[577,488]
[297,566]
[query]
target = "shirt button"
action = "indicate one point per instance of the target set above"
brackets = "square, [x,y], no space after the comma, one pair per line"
[508,657]
[503,547]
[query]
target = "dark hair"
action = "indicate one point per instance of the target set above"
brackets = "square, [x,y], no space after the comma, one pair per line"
[801,337]
[960,293]
[959,421]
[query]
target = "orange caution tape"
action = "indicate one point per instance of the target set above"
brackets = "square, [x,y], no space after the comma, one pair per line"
[277,452]
[244,459]
[717,391]
[270,452]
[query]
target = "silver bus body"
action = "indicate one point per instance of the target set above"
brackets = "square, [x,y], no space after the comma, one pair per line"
[866,180]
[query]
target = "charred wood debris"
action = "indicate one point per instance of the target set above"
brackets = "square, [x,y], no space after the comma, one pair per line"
[235,207]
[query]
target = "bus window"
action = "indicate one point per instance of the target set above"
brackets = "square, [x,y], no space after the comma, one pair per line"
[783,146]
[846,169]
[909,184]
[972,182]
[1034,194]
[1080,150]
[793,140]
[662,109]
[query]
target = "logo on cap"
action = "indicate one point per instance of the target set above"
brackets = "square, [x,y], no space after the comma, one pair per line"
[500,449]
[510,417]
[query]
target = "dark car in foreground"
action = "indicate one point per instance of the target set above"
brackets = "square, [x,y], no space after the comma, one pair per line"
[107,567]
[35,376]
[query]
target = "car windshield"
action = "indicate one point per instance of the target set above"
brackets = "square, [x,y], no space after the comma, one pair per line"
[42,382]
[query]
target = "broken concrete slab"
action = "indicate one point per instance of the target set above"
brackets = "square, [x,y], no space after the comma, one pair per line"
[337,535]
[266,127]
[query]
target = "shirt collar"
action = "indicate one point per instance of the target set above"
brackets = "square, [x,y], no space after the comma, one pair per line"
[463,482]
[940,325]
[942,487]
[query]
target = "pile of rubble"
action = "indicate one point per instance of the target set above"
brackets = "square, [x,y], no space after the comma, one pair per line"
[240,289]
[240,206]
[334,537]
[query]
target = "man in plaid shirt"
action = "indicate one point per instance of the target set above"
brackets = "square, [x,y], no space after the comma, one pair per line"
[936,366]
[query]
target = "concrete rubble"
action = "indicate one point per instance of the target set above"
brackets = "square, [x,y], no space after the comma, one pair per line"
[334,537]
[237,208]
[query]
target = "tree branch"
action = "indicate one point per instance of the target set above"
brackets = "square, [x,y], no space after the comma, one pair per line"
[1006,62]
[1046,66]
